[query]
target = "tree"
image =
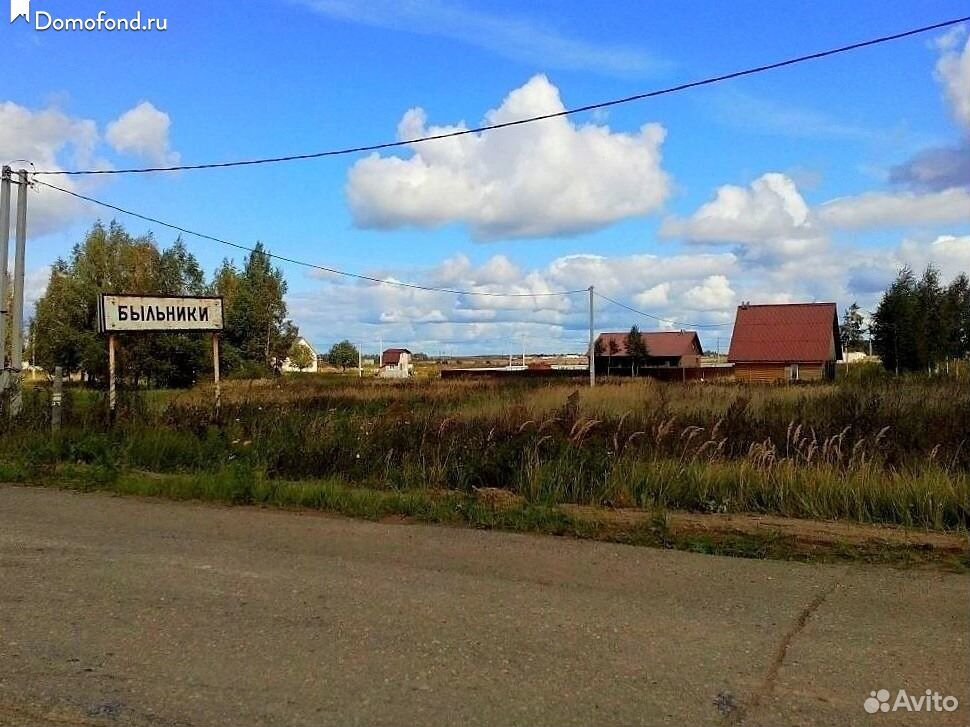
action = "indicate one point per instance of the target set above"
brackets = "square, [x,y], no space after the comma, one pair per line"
[636,349]
[343,355]
[893,323]
[612,349]
[598,350]
[257,332]
[919,325]
[851,329]
[111,260]
[301,356]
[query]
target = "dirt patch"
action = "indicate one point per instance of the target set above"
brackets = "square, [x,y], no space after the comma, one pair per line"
[806,534]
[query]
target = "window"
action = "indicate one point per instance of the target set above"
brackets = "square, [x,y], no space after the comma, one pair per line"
[793,372]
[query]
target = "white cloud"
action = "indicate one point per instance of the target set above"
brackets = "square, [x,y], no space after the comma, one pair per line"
[144,132]
[768,219]
[534,42]
[658,295]
[876,210]
[541,179]
[690,288]
[953,71]
[949,253]
[47,138]
[713,294]
[52,140]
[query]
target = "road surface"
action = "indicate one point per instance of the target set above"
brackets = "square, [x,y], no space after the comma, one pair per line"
[139,612]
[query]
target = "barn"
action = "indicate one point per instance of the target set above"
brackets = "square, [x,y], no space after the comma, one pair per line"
[680,349]
[785,342]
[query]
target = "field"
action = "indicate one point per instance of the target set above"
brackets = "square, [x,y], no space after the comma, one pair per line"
[868,450]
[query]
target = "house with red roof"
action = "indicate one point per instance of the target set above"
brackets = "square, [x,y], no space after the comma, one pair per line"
[395,364]
[680,349]
[785,342]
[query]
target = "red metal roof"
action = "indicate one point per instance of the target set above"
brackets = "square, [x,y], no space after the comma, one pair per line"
[392,356]
[790,332]
[659,343]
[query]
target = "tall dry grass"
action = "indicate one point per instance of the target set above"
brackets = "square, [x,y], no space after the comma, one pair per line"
[878,451]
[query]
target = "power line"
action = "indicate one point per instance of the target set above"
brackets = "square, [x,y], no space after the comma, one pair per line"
[294,261]
[518,122]
[683,324]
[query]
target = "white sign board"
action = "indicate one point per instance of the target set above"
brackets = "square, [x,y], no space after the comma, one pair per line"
[124,313]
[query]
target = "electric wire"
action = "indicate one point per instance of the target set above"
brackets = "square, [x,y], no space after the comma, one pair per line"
[303,263]
[531,119]
[679,324]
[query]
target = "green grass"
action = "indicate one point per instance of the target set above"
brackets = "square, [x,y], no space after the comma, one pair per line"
[868,450]
[240,486]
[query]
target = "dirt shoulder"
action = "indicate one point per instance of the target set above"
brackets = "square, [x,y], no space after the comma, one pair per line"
[802,538]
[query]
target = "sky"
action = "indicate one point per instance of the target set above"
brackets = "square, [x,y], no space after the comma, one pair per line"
[814,182]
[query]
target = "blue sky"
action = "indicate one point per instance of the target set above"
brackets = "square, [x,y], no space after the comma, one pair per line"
[593,200]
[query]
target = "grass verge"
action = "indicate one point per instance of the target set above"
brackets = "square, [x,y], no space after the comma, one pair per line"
[655,528]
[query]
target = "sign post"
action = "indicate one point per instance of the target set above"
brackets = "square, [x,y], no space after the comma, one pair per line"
[158,314]
[57,398]
[111,377]
[215,370]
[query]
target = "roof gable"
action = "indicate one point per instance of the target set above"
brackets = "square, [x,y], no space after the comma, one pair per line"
[392,356]
[786,332]
[665,344]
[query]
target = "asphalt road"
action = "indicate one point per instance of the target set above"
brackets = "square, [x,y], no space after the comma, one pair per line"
[135,612]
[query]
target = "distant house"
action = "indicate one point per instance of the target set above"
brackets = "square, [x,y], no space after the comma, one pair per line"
[786,342]
[395,364]
[314,359]
[680,349]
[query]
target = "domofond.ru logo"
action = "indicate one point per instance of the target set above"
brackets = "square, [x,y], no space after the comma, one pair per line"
[44,20]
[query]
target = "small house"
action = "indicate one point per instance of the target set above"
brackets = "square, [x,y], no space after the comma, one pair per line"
[681,349]
[312,360]
[396,364]
[785,342]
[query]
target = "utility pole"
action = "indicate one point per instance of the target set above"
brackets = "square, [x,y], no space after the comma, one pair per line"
[17,323]
[360,364]
[592,344]
[4,254]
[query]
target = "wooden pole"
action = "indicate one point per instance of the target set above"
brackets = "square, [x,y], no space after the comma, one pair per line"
[112,398]
[56,399]
[592,343]
[215,370]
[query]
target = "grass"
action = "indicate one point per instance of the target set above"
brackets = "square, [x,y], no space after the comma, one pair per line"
[238,485]
[867,449]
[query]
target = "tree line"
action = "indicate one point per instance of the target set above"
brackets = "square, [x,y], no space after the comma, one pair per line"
[256,339]
[919,325]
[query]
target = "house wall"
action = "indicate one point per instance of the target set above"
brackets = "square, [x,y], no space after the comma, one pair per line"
[760,373]
[769,373]
[312,368]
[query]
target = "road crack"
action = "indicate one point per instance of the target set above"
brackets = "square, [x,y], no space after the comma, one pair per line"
[781,653]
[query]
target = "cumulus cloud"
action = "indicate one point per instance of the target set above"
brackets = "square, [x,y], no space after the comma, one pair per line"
[876,210]
[767,219]
[50,139]
[542,179]
[949,253]
[144,132]
[953,72]
[692,287]
[713,294]
[941,167]
[47,138]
